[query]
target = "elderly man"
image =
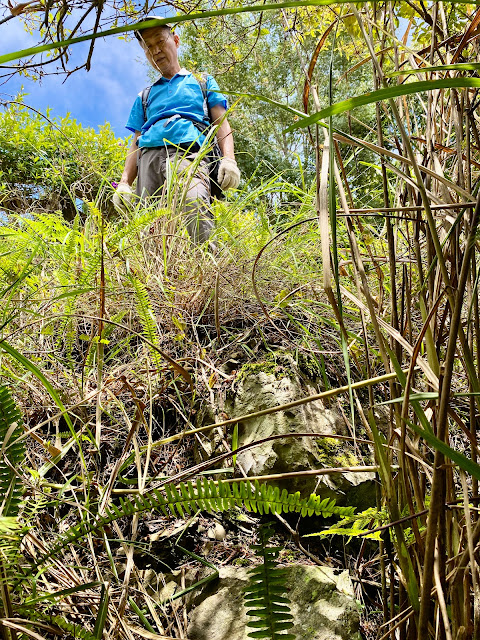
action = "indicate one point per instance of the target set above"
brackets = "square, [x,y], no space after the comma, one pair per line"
[167,128]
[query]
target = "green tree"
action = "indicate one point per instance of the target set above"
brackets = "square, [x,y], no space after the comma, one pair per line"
[265,57]
[54,164]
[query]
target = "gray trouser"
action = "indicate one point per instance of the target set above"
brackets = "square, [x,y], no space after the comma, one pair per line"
[155,164]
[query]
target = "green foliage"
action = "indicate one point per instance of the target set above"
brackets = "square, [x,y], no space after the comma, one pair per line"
[385,94]
[102,613]
[72,629]
[205,495]
[49,274]
[253,8]
[146,316]
[358,524]
[266,594]
[53,163]
[10,535]
[12,452]
[261,59]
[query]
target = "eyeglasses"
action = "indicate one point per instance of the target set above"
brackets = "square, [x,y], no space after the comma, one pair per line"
[156,43]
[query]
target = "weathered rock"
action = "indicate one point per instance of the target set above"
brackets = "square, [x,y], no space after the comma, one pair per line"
[217,532]
[322,603]
[265,385]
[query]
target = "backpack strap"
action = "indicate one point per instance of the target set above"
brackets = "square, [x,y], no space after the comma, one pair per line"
[202,81]
[144,96]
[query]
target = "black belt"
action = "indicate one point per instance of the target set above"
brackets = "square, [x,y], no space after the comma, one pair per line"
[192,147]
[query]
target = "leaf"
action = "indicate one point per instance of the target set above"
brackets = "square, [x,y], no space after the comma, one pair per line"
[62,594]
[73,292]
[463,462]
[29,366]
[235,444]
[204,494]
[459,66]
[102,612]
[384,94]
[415,397]
[12,454]
[266,594]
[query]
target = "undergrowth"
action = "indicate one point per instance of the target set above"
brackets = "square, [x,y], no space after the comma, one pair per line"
[117,333]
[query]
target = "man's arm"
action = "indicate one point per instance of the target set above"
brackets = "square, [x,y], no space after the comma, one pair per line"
[228,172]
[123,193]
[130,170]
[224,131]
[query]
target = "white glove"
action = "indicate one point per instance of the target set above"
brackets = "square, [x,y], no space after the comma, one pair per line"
[122,198]
[228,174]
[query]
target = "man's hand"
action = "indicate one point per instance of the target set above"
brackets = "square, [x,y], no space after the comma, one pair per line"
[122,198]
[228,174]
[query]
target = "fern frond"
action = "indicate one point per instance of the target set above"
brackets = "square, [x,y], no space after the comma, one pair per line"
[125,235]
[67,329]
[50,227]
[186,499]
[265,594]
[72,242]
[16,249]
[10,534]
[12,454]
[74,630]
[357,524]
[147,317]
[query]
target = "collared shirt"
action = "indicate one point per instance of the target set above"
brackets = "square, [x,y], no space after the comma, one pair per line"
[168,101]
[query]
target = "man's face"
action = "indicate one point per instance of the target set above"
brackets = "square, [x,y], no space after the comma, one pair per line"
[160,46]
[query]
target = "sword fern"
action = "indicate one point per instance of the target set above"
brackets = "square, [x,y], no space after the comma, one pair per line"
[12,454]
[266,594]
[206,495]
[146,316]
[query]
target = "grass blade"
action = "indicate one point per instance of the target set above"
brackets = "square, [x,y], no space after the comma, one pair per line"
[385,94]
[29,366]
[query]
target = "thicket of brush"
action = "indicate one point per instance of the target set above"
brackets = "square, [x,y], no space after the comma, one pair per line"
[114,331]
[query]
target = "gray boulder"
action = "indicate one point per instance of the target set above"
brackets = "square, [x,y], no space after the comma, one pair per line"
[322,603]
[261,386]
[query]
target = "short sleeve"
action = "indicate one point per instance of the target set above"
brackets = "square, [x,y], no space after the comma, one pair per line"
[214,96]
[136,118]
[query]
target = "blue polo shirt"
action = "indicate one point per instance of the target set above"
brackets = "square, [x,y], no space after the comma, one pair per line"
[168,101]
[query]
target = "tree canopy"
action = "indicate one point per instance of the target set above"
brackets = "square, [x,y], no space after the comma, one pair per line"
[54,164]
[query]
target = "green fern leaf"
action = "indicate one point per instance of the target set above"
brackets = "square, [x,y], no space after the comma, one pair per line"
[265,595]
[12,454]
[10,534]
[74,630]
[356,524]
[146,316]
[203,495]
[67,328]
[124,236]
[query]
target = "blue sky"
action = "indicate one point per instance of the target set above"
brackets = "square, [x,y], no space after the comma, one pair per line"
[105,93]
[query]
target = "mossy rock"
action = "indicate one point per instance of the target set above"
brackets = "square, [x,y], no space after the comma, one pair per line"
[259,387]
[322,603]
[275,381]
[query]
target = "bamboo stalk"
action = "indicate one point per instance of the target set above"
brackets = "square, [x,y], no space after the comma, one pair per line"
[438,476]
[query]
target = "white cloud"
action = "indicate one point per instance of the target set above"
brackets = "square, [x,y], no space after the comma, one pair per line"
[14,37]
